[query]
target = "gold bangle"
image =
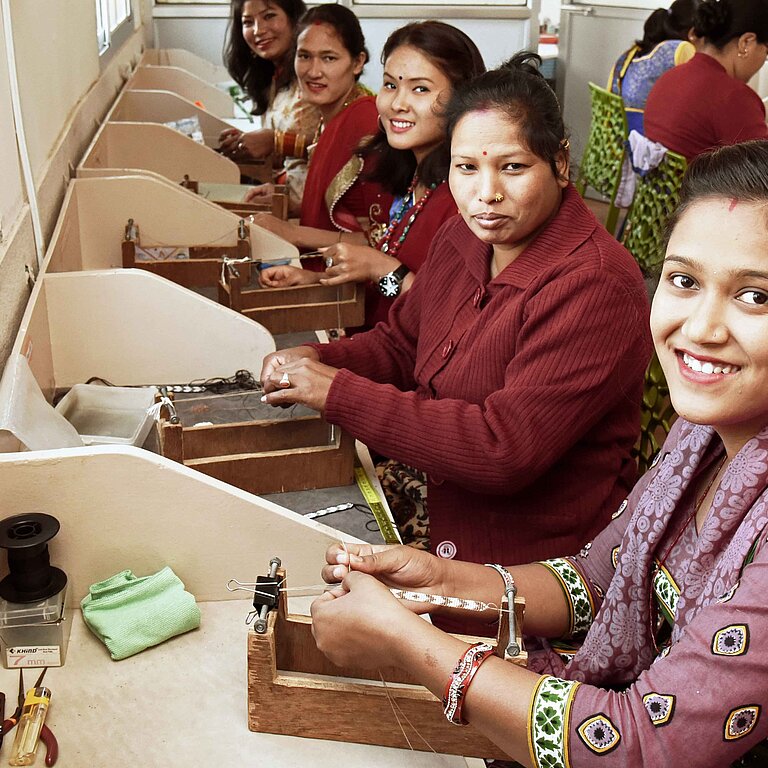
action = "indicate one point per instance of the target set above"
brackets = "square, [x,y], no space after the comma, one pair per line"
[279,138]
[299,145]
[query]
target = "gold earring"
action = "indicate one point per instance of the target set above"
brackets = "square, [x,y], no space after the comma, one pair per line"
[743,53]
[498,197]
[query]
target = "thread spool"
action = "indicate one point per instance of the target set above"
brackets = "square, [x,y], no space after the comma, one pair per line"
[31,577]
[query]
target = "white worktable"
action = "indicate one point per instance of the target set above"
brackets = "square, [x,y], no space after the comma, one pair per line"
[182,703]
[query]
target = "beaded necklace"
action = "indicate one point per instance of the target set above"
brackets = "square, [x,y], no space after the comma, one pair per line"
[385,244]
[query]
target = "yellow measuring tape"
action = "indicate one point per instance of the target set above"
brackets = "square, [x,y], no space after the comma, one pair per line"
[379,512]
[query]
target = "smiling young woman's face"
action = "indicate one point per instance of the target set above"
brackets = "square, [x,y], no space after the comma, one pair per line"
[710,317]
[266,29]
[411,99]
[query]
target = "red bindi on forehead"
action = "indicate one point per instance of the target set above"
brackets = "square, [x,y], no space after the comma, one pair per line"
[734,202]
[484,152]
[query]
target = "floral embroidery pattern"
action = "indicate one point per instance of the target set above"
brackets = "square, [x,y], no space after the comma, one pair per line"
[660,707]
[741,721]
[548,722]
[581,607]
[599,734]
[731,641]
[715,557]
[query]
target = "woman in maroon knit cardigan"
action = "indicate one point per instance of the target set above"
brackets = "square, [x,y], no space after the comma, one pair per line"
[511,373]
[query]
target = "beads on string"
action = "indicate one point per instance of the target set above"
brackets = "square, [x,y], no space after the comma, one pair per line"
[442,600]
[385,244]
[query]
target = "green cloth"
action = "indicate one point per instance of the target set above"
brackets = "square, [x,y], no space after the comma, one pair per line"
[131,613]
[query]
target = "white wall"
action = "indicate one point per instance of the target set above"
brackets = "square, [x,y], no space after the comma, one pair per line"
[497,38]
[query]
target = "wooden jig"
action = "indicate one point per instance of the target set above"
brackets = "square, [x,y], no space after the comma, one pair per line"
[295,691]
[300,308]
[203,266]
[264,455]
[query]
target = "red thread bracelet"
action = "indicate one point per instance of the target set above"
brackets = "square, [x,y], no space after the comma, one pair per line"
[459,681]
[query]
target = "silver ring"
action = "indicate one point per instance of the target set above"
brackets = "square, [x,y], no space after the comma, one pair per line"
[240,145]
[285,381]
[329,261]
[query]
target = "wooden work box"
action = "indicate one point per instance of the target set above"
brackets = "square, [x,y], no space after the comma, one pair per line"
[190,266]
[230,197]
[294,690]
[264,455]
[301,308]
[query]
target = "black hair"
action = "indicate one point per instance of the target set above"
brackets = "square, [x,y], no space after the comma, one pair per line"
[518,90]
[458,58]
[345,23]
[720,21]
[736,171]
[663,24]
[253,74]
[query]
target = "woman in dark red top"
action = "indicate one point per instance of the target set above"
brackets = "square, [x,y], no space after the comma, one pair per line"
[423,62]
[706,102]
[511,373]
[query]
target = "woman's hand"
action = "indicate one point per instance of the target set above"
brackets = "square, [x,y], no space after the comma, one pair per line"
[303,381]
[261,193]
[245,146]
[286,276]
[395,566]
[347,263]
[360,623]
[274,362]
[281,228]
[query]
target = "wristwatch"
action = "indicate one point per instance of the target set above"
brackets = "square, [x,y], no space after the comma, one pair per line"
[392,282]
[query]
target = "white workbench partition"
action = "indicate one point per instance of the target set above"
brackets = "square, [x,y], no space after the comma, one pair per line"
[95,211]
[131,327]
[157,148]
[178,57]
[186,84]
[165,107]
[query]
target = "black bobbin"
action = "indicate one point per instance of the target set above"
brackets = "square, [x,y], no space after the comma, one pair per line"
[32,578]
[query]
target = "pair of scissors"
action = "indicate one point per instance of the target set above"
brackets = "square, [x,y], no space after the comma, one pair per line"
[46,734]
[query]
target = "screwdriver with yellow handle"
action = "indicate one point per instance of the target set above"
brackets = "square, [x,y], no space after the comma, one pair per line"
[30,724]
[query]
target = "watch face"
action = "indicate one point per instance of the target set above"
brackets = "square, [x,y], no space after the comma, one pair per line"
[389,286]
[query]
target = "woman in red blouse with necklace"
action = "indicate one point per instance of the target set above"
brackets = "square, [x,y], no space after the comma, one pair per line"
[423,62]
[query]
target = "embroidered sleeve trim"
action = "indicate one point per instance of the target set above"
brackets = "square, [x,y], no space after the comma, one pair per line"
[667,593]
[581,606]
[341,183]
[549,718]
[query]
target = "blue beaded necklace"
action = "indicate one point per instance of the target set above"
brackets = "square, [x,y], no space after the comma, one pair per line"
[385,244]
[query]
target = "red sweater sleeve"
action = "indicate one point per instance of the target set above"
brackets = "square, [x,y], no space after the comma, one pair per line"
[387,353]
[581,334]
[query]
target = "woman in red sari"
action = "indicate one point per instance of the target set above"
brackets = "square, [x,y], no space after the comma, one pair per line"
[408,156]
[330,56]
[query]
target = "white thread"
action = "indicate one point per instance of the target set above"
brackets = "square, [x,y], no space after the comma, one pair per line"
[154,410]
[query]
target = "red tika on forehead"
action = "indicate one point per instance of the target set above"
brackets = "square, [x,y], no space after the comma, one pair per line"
[733,204]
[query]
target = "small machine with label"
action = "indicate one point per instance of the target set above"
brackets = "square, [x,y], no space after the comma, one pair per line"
[34,631]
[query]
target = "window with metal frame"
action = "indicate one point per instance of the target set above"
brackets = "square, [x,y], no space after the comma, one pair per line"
[113,22]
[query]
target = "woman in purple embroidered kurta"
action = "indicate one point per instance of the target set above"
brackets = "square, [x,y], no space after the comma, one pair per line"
[658,629]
